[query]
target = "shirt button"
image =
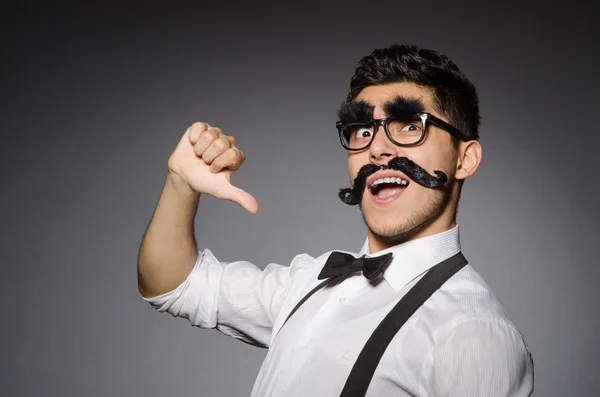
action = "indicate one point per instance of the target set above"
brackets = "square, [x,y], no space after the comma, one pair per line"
[342,299]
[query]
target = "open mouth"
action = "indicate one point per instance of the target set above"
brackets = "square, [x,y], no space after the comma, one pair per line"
[387,189]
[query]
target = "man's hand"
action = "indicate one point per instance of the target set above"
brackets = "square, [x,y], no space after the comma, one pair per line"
[204,160]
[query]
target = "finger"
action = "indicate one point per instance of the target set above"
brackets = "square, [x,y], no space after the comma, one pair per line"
[205,139]
[216,148]
[243,198]
[195,130]
[231,159]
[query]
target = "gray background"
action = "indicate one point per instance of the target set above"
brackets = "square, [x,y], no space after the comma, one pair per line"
[94,99]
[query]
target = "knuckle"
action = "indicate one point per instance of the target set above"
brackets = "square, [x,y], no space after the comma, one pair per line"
[231,154]
[221,143]
[227,160]
[200,125]
[232,162]
[209,135]
[207,157]
[220,162]
[198,149]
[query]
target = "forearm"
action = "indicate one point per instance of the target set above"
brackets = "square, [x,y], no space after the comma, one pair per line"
[168,250]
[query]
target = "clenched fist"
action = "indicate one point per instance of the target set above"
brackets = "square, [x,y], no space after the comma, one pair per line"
[204,159]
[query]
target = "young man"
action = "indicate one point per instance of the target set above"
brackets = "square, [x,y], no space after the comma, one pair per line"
[410,124]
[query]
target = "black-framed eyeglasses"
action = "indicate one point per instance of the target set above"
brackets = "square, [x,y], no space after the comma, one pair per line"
[406,132]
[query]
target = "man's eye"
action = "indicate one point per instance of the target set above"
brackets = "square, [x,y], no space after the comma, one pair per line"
[363,133]
[410,127]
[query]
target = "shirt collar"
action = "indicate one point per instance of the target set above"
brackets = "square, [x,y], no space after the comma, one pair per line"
[414,257]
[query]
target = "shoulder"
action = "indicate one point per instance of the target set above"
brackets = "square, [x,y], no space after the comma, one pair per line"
[476,349]
[466,297]
[480,356]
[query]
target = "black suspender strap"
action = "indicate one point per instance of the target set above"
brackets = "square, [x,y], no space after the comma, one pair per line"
[362,372]
[318,287]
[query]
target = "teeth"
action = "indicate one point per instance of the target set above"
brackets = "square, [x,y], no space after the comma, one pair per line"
[399,181]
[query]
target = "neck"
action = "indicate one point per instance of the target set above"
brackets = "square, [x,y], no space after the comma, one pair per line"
[379,243]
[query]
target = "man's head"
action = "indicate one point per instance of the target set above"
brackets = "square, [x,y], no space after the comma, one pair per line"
[431,125]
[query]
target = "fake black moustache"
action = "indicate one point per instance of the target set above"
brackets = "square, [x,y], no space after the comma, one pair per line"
[353,195]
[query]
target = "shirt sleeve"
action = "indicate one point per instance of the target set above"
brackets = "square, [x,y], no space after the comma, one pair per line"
[481,358]
[237,298]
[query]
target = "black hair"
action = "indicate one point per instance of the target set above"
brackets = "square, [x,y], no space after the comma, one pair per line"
[455,95]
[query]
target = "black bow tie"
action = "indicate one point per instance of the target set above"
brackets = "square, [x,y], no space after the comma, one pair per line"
[340,263]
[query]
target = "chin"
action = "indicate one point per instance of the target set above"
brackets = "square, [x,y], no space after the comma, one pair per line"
[399,227]
[396,231]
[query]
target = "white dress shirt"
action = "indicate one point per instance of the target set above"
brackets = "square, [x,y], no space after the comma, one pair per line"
[461,342]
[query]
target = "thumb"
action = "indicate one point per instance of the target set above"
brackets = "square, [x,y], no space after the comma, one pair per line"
[243,198]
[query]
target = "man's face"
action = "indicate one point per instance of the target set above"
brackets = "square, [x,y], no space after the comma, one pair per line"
[395,212]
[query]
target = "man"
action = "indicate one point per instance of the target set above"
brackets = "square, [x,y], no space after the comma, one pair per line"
[410,124]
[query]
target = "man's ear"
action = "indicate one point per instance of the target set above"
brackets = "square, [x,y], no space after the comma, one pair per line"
[468,159]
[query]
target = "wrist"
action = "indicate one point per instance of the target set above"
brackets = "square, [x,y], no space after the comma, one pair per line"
[180,186]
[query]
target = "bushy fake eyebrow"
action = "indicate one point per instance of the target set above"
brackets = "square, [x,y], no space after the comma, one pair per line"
[355,112]
[403,107]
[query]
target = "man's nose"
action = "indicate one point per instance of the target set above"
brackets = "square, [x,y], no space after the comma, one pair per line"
[382,149]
